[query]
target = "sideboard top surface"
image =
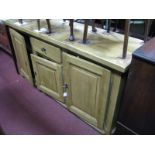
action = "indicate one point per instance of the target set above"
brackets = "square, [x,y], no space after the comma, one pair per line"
[102,47]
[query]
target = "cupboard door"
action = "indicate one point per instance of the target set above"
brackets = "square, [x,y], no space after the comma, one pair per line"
[21,55]
[88,89]
[48,76]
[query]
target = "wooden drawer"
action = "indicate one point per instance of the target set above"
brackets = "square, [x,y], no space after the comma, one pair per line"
[45,49]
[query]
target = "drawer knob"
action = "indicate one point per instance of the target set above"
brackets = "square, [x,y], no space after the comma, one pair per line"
[43,49]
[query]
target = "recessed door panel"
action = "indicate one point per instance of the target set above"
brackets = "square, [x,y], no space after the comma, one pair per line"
[88,89]
[21,55]
[48,77]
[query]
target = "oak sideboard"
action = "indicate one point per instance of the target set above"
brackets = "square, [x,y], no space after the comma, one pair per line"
[87,79]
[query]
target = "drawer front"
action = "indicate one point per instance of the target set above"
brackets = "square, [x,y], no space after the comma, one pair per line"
[47,50]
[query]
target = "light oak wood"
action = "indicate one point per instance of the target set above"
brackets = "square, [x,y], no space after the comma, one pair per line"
[88,88]
[48,77]
[113,105]
[104,48]
[47,50]
[21,55]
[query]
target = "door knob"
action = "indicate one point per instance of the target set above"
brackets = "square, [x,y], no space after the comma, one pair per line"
[43,49]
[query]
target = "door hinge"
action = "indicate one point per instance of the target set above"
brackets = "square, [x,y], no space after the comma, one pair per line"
[35,73]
